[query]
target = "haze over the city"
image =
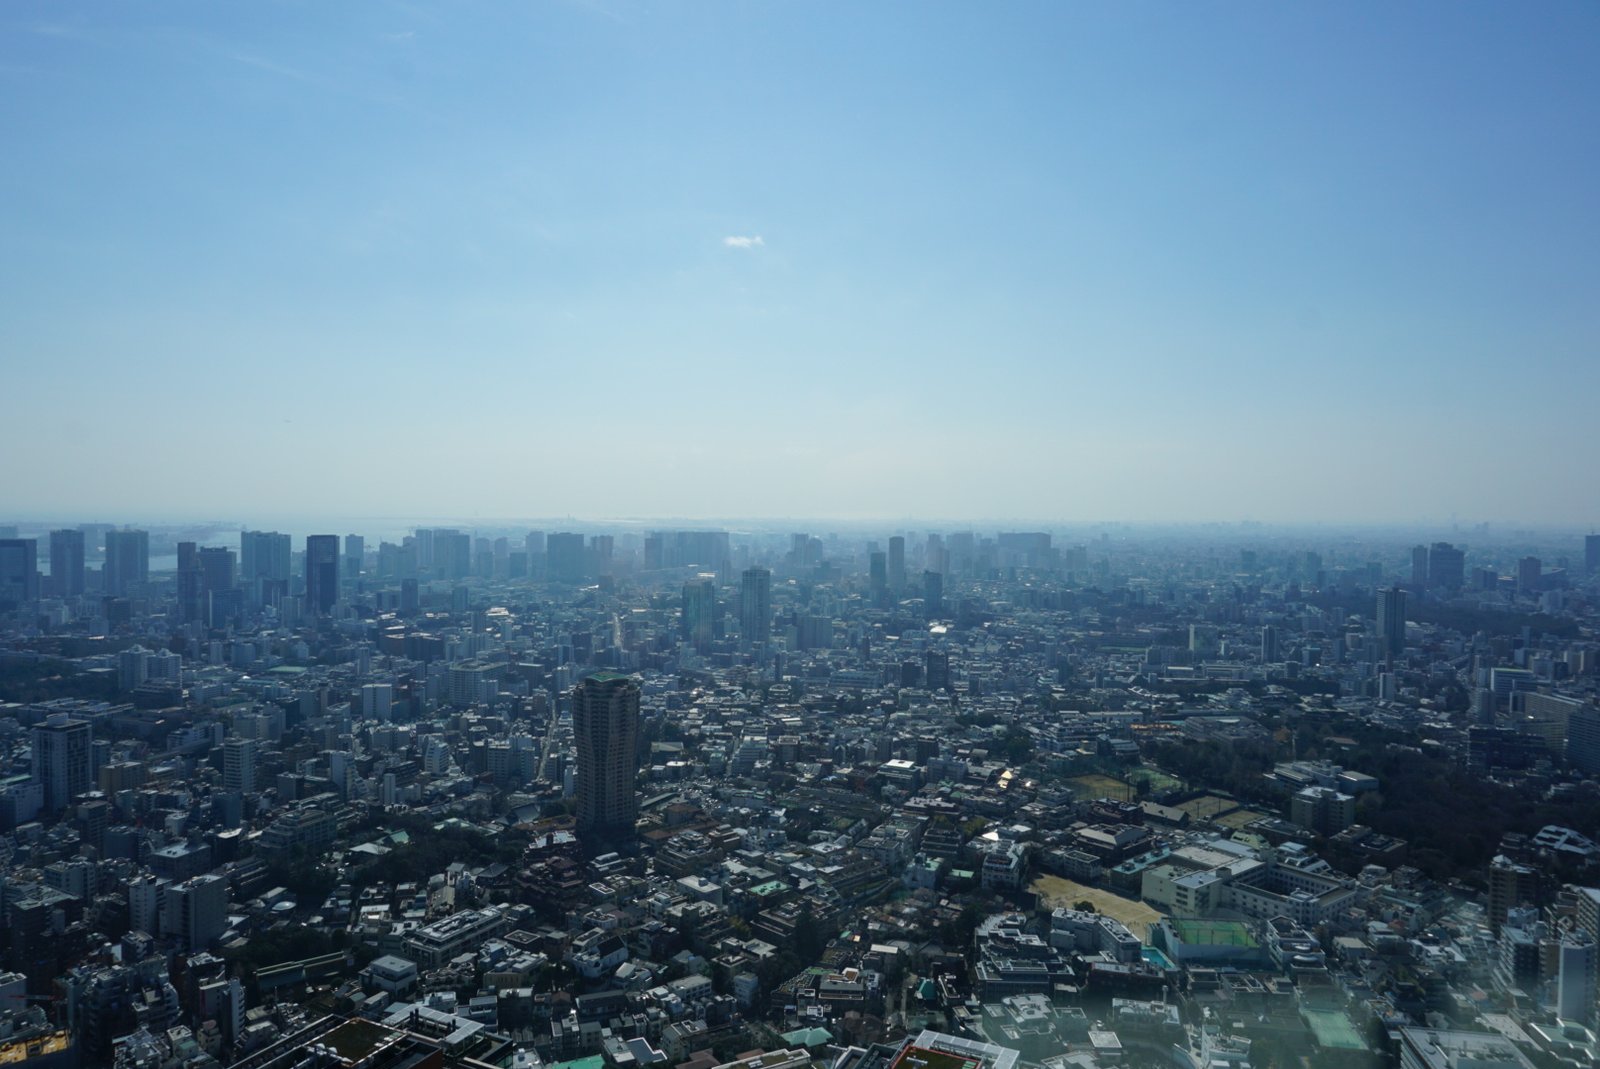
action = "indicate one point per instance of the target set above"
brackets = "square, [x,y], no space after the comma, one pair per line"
[1157,262]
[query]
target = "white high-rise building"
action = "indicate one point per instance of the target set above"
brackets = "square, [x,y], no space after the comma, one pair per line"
[239,765]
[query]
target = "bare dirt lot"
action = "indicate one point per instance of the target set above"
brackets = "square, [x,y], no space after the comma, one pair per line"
[1054,891]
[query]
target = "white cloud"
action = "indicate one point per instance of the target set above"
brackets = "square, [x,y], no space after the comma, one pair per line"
[743,241]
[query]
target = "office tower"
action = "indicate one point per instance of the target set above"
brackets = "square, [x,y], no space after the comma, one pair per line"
[605,725]
[933,593]
[66,563]
[1391,621]
[61,759]
[218,570]
[897,565]
[355,548]
[564,557]
[451,553]
[1419,566]
[127,562]
[699,613]
[1529,572]
[410,598]
[191,582]
[19,571]
[601,548]
[755,607]
[1446,567]
[1269,644]
[239,765]
[936,669]
[878,576]
[322,573]
[1591,553]
[264,566]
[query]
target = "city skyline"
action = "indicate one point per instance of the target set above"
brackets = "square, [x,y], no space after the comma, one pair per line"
[1167,263]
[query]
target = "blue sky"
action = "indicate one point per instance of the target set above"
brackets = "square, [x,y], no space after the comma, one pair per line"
[1049,261]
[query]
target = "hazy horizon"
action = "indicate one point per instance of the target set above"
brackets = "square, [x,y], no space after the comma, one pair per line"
[1168,263]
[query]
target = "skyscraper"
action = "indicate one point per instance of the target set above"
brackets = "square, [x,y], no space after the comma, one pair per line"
[1447,566]
[264,566]
[897,565]
[322,572]
[127,562]
[755,608]
[191,582]
[19,571]
[61,759]
[1591,553]
[1392,621]
[699,613]
[564,557]
[878,577]
[605,723]
[66,562]
[1419,566]
[932,593]
[355,550]
[1530,571]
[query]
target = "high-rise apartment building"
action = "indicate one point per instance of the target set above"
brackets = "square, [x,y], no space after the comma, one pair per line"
[1392,621]
[239,765]
[127,562]
[755,607]
[62,759]
[322,572]
[1419,566]
[605,725]
[264,563]
[66,563]
[19,571]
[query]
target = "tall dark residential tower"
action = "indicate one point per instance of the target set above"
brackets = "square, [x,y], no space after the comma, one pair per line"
[755,607]
[62,759]
[1392,621]
[1269,644]
[127,562]
[19,571]
[605,724]
[66,563]
[897,565]
[1419,566]
[1591,553]
[1447,566]
[322,572]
